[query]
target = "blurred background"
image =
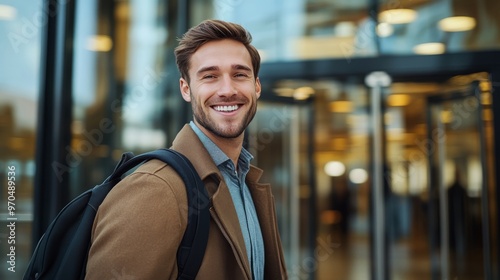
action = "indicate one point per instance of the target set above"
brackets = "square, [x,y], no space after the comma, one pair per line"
[376,124]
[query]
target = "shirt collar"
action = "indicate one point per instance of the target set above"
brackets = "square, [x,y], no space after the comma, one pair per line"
[218,156]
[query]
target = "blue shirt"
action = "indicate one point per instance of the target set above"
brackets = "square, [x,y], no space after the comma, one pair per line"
[242,200]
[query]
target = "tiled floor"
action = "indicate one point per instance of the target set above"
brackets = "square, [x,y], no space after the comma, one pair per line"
[410,260]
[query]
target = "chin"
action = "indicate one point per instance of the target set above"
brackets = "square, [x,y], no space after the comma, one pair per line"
[229,132]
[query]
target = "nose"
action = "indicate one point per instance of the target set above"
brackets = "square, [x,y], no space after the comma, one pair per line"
[226,86]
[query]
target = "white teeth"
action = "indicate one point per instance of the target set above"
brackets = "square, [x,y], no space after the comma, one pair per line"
[226,108]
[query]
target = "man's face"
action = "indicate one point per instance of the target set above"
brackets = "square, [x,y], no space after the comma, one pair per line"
[223,90]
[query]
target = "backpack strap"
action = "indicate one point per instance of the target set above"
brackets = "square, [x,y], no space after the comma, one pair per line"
[194,242]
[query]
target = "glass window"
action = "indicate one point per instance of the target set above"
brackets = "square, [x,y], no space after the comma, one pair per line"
[318,29]
[126,95]
[21,25]
[298,29]
[438,26]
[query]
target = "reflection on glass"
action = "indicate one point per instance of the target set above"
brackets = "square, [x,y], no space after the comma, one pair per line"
[20,30]
[457,24]
[310,29]
[446,25]
[7,12]
[120,81]
[298,29]
[397,16]
[429,48]
[99,43]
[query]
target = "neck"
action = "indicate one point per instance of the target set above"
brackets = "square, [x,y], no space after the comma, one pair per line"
[230,146]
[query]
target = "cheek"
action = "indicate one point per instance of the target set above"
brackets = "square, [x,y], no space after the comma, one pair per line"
[197,99]
[204,93]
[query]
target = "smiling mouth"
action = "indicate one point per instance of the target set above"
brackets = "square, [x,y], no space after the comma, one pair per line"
[226,109]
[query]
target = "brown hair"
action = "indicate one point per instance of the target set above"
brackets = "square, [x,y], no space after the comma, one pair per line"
[212,30]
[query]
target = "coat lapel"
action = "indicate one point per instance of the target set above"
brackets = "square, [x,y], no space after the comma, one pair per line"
[226,218]
[264,205]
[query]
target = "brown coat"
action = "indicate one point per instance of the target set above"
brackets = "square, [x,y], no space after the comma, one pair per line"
[142,220]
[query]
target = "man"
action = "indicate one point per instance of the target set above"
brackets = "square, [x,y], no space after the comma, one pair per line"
[139,226]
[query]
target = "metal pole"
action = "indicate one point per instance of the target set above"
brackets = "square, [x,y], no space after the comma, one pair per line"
[51,187]
[485,208]
[377,81]
[313,213]
[495,87]
[433,220]
[443,206]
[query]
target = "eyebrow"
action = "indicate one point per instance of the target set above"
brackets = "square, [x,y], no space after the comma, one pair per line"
[207,69]
[216,68]
[241,67]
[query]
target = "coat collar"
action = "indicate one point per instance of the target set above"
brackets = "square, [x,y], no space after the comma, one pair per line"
[188,144]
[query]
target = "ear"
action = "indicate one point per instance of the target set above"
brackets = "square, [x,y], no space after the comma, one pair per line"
[258,87]
[185,91]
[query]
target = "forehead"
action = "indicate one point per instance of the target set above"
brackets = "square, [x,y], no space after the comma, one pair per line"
[220,53]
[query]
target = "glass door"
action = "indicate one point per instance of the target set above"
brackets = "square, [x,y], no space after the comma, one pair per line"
[459,189]
[312,141]
[438,184]
[363,170]
[279,140]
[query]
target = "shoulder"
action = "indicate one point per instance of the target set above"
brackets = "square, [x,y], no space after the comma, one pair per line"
[146,205]
[153,178]
[153,186]
[154,172]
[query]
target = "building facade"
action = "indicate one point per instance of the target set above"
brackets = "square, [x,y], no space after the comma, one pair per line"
[376,125]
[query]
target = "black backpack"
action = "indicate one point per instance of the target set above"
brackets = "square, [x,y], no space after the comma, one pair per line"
[62,251]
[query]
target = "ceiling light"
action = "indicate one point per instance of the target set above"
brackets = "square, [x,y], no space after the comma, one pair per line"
[99,43]
[286,92]
[358,176]
[385,29]
[429,48]
[7,12]
[457,24]
[303,93]
[397,16]
[398,100]
[341,106]
[334,168]
[345,29]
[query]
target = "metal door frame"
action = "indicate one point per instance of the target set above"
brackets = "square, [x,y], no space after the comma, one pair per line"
[441,271]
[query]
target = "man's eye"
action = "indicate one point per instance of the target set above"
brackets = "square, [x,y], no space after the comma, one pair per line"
[208,76]
[241,75]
